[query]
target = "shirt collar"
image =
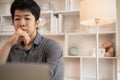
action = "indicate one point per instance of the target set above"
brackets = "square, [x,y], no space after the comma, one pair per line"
[37,39]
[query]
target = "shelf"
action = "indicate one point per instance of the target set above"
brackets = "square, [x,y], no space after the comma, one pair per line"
[91,33]
[80,33]
[7,27]
[107,58]
[6,34]
[6,20]
[72,57]
[89,57]
[62,23]
[6,16]
[52,34]
[67,13]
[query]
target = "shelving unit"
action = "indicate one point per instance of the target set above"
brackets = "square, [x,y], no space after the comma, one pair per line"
[7,28]
[62,23]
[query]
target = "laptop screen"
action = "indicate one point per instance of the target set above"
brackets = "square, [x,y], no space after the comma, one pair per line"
[24,72]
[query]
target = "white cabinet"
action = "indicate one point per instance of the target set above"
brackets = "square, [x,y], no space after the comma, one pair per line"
[61,21]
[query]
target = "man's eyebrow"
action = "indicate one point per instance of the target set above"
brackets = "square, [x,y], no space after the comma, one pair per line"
[24,15]
[27,15]
[16,15]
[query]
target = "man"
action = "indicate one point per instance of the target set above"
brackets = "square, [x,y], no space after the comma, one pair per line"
[26,45]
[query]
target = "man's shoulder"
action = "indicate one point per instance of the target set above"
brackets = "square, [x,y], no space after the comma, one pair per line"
[50,43]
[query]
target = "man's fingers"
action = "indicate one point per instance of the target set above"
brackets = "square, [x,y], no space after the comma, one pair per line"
[27,39]
[23,36]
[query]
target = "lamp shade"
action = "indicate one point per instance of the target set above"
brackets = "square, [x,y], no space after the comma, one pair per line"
[97,21]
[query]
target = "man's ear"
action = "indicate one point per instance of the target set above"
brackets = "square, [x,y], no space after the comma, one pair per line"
[38,23]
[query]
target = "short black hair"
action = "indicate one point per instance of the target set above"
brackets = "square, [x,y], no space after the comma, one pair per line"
[30,5]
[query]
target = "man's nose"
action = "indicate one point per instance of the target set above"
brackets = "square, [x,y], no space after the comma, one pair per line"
[22,23]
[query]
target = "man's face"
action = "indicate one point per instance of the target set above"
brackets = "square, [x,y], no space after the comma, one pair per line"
[23,19]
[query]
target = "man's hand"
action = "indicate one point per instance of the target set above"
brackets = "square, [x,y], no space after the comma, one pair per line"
[19,36]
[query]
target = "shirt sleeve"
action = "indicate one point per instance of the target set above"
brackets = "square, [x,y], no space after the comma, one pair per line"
[55,59]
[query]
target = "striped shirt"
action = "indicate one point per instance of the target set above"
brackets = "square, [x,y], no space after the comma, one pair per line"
[43,50]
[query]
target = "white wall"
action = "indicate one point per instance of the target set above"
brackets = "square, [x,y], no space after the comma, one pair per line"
[5,8]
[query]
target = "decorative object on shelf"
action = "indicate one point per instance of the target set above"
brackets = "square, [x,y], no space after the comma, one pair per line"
[42,21]
[109,50]
[101,52]
[7,28]
[73,50]
[42,27]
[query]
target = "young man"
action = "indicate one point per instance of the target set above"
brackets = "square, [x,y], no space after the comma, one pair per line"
[26,45]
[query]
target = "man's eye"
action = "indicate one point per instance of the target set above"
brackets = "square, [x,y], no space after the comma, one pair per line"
[27,18]
[17,18]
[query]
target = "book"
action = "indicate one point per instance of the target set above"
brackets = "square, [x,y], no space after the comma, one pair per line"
[60,24]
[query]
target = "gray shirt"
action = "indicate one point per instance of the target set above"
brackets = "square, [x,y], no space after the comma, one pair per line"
[43,51]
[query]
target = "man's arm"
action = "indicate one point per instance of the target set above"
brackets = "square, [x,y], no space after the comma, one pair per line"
[4,52]
[18,36]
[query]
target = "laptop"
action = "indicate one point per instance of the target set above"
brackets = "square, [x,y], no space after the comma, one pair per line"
[24,72]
